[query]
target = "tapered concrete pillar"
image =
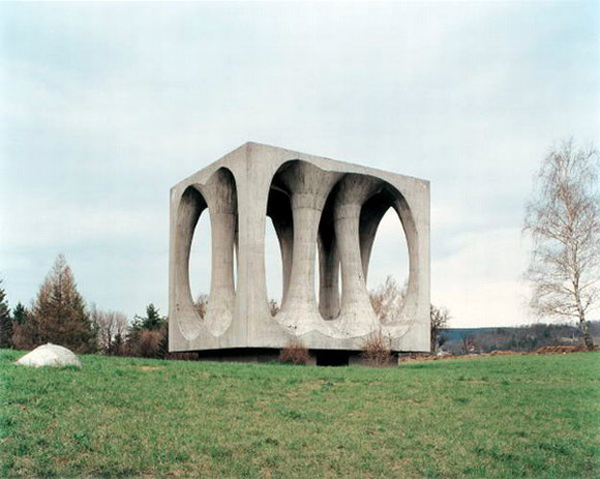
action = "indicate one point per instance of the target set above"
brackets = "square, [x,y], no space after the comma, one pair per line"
[308,187]
[356,314]
[220,194]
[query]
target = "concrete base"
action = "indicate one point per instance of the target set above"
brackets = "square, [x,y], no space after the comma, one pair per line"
[321,357]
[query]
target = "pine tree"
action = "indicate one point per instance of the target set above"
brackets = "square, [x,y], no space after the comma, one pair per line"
[153,320]
[6,330]
[146,337]
[24,333]
[59,312]
[20,314]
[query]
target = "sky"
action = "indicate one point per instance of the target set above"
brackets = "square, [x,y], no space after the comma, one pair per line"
[105,106]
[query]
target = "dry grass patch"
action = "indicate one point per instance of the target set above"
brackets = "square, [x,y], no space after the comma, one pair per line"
[295,353]
[376,351]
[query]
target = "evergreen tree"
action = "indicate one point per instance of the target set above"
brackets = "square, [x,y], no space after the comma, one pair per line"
[146,337]
[24,333]
[6,330]
[20,314]
[59,312]
[152,321]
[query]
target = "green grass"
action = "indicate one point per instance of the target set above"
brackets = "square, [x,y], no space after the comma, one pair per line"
[521,416]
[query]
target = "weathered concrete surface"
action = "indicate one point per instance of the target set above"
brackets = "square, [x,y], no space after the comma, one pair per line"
[49,355]
[313,203]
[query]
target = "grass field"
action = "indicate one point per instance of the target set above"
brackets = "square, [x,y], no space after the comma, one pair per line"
[519,416]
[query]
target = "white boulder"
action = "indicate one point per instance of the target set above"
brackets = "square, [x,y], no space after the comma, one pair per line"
[49,355]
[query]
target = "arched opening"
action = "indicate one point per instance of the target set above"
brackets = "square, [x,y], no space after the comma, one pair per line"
[200,266]
[205,256]
[389,254]
[273,268]
[387,269]
[191,206]
[279,245]
[329,290]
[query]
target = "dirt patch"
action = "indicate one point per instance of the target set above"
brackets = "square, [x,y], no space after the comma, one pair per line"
[177,473]
[313,385]
[434,357]
[507,352]
[542,350]
[560,349]
[151,368]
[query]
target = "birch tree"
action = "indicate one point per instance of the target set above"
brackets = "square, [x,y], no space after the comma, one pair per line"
[563,219]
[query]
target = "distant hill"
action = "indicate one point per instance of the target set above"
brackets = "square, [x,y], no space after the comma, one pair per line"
[518,338]
[457,334]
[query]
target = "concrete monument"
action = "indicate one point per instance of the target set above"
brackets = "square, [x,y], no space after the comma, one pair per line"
[315,204]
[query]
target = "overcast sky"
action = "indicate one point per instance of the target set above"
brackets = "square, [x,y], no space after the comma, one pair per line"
[105,106]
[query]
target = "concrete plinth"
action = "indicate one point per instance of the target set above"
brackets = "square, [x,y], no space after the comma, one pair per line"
[313,203]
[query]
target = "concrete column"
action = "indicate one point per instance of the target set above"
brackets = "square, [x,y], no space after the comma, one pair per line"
[356,315]
[308,187]
[220,194]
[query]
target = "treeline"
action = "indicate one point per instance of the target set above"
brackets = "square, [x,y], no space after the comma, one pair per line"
[522,338]
[60,315]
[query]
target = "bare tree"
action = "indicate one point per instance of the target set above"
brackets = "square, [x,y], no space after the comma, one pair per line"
[112,329]
[202,304]
[439,318]
[273,307]
[563,219]
[387,300]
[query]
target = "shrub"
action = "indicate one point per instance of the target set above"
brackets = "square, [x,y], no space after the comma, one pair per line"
[295,353]
[148,344]
[376,351]
[24,337]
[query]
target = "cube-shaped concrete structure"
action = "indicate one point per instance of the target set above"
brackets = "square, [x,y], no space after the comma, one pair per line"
[315,204]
